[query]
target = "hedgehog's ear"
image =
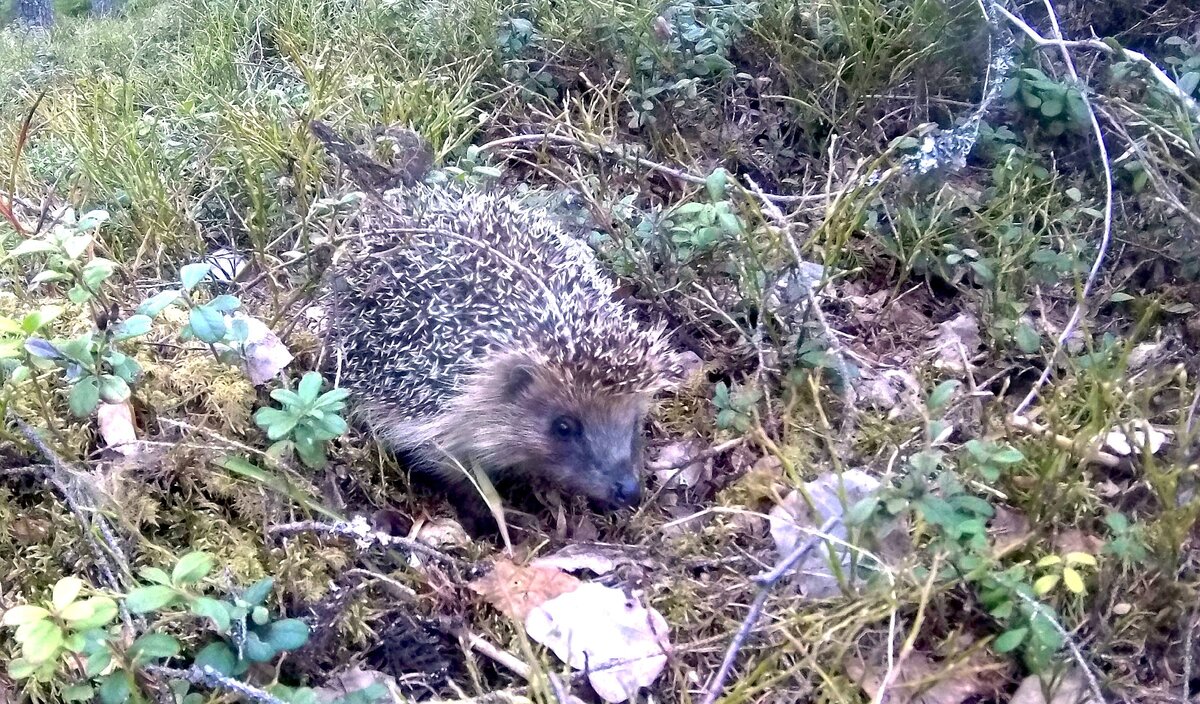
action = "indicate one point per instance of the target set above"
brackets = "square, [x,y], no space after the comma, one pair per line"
[517,381]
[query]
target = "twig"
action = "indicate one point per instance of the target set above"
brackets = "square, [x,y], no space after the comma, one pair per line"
[364,535]
[640,161]
[766,582]
[207,677]
[502,657]
[1097,45]
[1106,235]
[110,558]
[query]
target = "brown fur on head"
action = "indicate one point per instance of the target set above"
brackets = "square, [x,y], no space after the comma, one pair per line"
[518,415]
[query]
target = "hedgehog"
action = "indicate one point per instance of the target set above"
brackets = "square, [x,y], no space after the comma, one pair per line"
[473,329]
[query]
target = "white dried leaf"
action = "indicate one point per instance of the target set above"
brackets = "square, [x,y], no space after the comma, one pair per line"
[443,533]
[793,520]
[265,353]
[956,342]
[666,466]
[622,645]
[115,421]
[600,558]
[1128,440]
[1071,688]
[356,680]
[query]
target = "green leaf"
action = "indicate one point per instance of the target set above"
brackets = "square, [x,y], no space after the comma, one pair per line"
[214,610]
[1189,81]
[21,615]
[1009,640]
[42,641]
[258,592]
[942,393]
[156,304]
[225,303]
[218,656]
[96,272]
[20,668]
[91,220]
[288,634]
[136,326]
[287,398]
[145,599]
[1027,338]
[191,568]
[156,575]
[309,387]
[258,650]
[31,247]
[277,423]
[98,662]
[78,693]
[192,274]
[207,324]
[154,646]
[38,319]
[331,398]
[715,184]
[115,688]
[260,615]
[102,611]
[1073,580]
[113,389]
[1044,584]
[85,396]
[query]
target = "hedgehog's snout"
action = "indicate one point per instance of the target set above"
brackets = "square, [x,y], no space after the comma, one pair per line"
[627,492]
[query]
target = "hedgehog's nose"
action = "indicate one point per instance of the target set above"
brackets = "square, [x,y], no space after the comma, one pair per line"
[627,492]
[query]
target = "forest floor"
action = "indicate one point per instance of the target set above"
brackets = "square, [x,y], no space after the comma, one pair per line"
[940,269]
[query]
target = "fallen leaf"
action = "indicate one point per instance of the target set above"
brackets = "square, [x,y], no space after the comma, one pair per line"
[265,353]
[919,680]
[1133,439]
[600,558]
[1072,688]
[1008,528]
[956,342]
[666,466]
[443,533]
[115,421]
[622,645]
[1075,540]
[517,590]
[790,520]
[357,680]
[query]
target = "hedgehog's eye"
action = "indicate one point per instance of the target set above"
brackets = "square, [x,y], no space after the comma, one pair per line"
[565,427]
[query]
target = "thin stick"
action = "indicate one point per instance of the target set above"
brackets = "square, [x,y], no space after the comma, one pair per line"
[363,533]
[1096,45]
[207,677]
[766,582]
[1106,235]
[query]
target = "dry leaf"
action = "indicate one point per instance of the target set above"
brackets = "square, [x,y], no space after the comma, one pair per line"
[1072,688]
[115,421]
[443,533]
[265,353]
[516,590]
[600,558]
[956,340]
[918,680]
[666,466]
[1008,528]
[1127,441]
[356,680]
[790,519]
[622,645]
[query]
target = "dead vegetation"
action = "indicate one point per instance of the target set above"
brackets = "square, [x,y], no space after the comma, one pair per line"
[936,260]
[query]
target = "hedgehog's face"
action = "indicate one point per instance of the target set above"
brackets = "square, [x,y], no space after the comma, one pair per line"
[582,441]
